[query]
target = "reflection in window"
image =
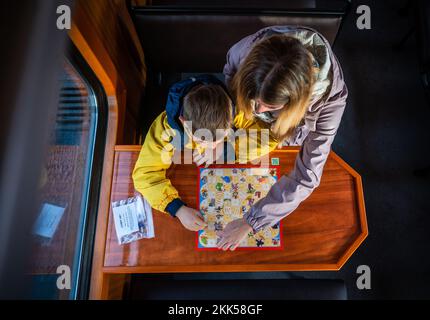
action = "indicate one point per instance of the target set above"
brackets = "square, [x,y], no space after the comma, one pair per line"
[64,188]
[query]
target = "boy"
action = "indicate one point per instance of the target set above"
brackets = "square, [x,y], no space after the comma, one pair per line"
[203,101]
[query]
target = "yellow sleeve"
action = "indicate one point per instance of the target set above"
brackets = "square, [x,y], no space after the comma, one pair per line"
[249,142]
[149,174]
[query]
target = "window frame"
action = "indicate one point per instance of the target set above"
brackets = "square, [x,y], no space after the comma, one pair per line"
[82,287]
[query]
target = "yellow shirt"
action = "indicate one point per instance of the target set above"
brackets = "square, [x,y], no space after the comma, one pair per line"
[156,155]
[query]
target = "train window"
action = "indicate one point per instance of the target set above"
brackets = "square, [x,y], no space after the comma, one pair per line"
[64,229]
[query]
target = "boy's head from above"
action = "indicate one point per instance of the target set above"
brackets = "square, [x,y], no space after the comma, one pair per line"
[206,109]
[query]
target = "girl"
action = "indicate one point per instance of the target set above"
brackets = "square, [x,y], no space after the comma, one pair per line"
[288,80]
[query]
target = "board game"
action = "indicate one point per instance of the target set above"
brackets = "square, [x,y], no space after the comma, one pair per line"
[226,194]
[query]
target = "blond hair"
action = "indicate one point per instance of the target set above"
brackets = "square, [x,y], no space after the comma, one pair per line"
[279,71]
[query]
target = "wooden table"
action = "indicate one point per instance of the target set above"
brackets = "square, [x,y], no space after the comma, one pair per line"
[319,235]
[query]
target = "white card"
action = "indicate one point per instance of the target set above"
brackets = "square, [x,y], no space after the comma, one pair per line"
[48,220]
[125,217]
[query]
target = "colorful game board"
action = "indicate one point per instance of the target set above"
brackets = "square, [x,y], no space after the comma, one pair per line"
[226,194]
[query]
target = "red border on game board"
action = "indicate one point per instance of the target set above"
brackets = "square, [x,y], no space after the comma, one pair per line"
[238,166]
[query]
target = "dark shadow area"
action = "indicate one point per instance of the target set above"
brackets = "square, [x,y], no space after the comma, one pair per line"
[165,288]
[384,135]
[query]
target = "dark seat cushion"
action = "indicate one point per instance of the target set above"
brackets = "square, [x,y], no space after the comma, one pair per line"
[198,42]
[279,289]
[194,38]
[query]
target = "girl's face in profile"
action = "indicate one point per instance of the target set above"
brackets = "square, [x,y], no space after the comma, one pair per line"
[264,111]
[260,107]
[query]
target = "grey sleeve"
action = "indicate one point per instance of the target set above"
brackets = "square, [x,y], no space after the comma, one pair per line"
[235,56]
[286,195]
[230,67]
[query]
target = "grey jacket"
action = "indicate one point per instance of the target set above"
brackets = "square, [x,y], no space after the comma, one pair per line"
[315,134]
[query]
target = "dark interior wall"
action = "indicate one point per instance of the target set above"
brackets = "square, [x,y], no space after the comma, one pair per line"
[384,136]
[17,19]
[30,64]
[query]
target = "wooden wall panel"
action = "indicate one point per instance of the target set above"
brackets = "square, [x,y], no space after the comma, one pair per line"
[109,33]
[104,34]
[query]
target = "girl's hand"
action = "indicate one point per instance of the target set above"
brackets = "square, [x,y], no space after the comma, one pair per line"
[233,234]
[191,219]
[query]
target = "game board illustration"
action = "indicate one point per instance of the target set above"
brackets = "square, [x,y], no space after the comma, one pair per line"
[226,194]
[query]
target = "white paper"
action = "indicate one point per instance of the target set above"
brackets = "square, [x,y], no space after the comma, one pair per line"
[133,219]
[48,220]
[125,218]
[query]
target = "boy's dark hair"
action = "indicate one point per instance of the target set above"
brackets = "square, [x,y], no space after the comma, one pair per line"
[208,107]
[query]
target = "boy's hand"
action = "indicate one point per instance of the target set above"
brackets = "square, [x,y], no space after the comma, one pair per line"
[233,234]
[208,157]
[191,219]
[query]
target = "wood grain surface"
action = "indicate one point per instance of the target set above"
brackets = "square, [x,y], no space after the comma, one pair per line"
[319,235]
